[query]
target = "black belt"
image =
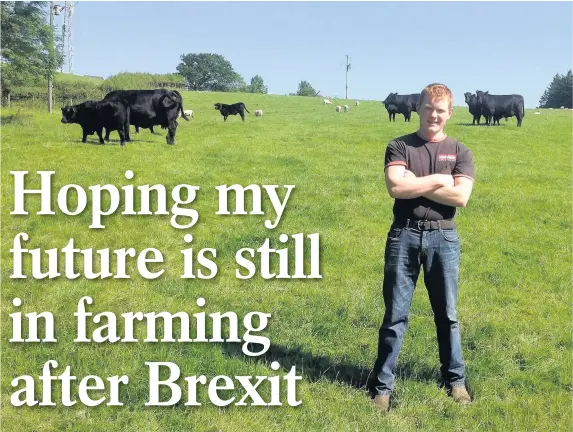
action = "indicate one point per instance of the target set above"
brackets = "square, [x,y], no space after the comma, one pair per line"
[425,225]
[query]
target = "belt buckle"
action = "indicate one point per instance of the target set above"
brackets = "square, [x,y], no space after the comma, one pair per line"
[418,224]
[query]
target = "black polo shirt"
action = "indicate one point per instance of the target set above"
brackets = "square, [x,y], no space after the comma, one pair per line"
[424,158]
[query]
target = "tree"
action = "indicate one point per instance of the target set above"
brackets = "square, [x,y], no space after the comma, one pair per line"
[559,93]
[257,85]
[238,84]
[305,89]
[27,45]
[211,72]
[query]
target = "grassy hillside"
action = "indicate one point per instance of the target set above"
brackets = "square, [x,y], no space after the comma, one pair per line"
[515,284]
[72,79]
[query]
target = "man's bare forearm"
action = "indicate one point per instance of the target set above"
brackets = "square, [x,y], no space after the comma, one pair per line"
[414,187]
[455,196]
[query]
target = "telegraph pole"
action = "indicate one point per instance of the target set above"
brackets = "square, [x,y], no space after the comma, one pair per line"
[347,67]
[50,84]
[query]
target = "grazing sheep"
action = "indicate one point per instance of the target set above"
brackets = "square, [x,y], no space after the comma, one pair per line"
[357,103]
[346,108]
[327,102]
[536,113]
[338,108]
[188,113]
[258,113]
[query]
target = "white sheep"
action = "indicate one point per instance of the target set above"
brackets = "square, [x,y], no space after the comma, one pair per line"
[188,113]
[327,102]
[258,113]
[346,108]
[357,103]
[338,108]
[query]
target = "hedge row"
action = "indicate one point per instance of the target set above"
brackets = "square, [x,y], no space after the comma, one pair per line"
[74,89]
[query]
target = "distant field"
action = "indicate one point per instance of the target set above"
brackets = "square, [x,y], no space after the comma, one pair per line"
[515,294]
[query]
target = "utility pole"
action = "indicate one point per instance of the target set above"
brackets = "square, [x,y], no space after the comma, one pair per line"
[347,69]
[50,84]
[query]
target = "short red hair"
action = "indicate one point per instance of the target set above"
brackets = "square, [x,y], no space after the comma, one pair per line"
[437,91]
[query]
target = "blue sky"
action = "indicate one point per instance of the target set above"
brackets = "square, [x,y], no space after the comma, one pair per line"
[503,47]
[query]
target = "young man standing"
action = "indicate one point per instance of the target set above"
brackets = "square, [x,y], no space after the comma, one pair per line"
[428,174]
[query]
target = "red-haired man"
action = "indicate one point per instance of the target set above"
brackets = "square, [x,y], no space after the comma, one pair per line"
[428,174]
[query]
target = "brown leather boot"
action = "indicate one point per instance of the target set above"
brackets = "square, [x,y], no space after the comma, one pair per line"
[461,395]
[382,403]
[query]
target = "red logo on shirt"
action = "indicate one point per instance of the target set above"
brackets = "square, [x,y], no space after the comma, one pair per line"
[447,158]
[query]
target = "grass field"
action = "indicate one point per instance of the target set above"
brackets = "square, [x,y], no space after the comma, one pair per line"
[515,286]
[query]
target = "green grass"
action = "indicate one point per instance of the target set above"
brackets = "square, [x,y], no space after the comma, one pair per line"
[515,294]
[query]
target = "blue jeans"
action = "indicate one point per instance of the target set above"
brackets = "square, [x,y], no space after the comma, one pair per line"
[438,253]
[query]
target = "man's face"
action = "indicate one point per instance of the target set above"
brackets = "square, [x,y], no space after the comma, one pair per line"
[434,114]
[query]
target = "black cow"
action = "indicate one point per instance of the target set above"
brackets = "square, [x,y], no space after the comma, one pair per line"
[150,129]
[392,111]
[233,109]
[404,104]
[474,106]
[497,106]
[152,107]
[93,116]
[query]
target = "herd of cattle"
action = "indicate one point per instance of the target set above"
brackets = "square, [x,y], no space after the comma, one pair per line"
[491,107]
[141,108]
[148,108]
[495,107]
[121,108]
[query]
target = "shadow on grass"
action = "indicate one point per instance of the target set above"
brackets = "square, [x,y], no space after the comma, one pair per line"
[313,368]
[482,125]
[111,142]
[96,142]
